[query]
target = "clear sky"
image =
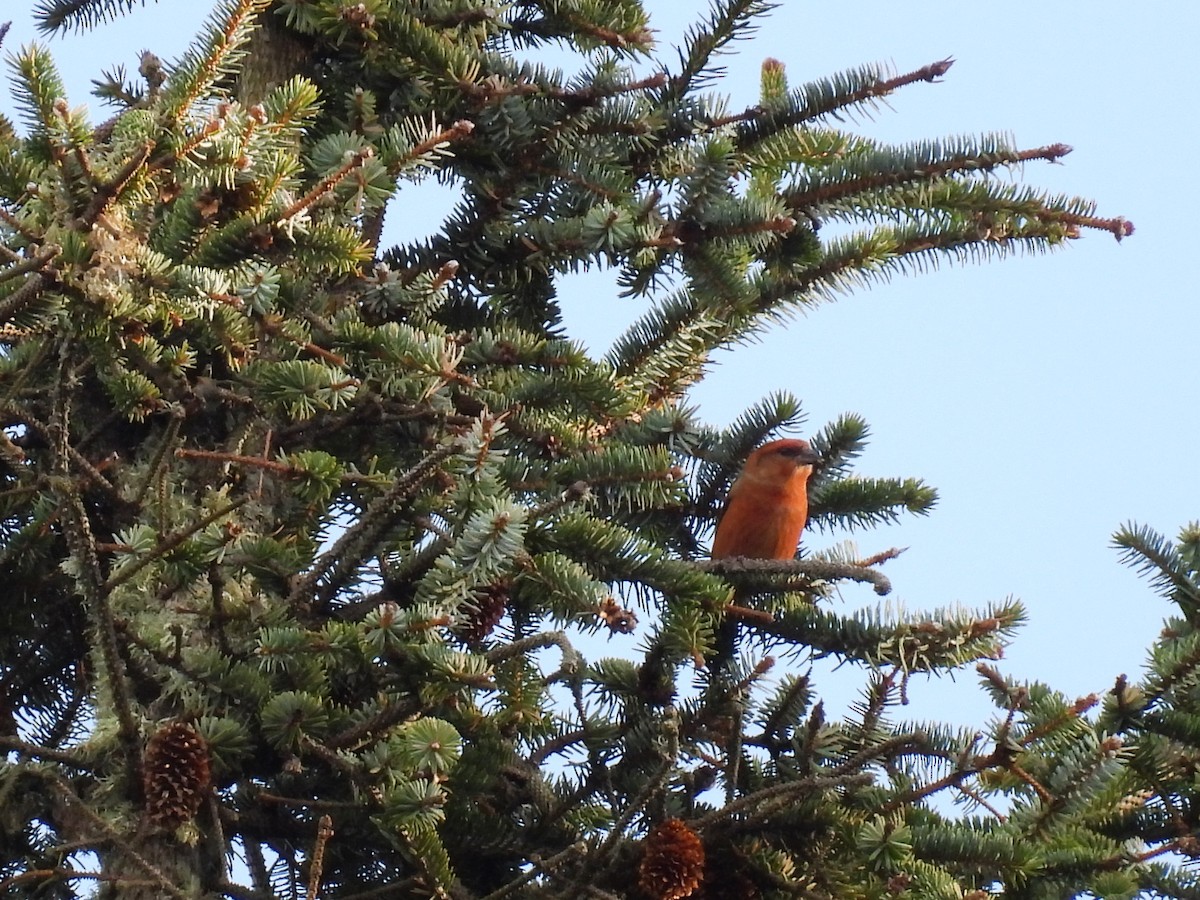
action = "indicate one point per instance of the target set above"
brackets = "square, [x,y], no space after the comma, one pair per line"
[1050,398]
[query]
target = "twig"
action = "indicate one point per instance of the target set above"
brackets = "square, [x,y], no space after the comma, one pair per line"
[160,453]
[336,564]
[328,183]
[93,474]
[166,545]
[106,193]
[81,544]
[381,721]
[37,751]
[536,867]
[35,262]
[785,792]
[161,881]
[317,863]
[572,659]
[809,569]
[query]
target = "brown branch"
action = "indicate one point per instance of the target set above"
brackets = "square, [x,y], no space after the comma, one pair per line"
[274,328]
[1074,711]
[808,570]
[64,874]
[39,752]
[982,801]
[306,802]
[336,564]
[395,890]
[161,881]
[81,546]
[238,15]
[984,162]
[106,193]
[166,545]
[44,431]
[456,132]
[380,722]
[160,455]
[37,261]
[1118,226]
[590,95]
[257,462]
[317,859]
[871,91]
[641,38]
[776,793]
[1044,795]
[22,297]
[210,128]
[537,866]
[328,183]
[880,557]
[19,227]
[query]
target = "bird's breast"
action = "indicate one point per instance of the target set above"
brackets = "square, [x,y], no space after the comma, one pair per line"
[762,521]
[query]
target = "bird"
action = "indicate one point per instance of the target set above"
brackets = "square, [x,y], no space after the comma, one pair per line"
[768,503]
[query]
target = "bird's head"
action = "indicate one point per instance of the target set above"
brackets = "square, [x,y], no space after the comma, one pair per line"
[780,461]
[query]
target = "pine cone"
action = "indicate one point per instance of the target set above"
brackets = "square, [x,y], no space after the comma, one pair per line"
[485,612]
[175,774]
[673,863]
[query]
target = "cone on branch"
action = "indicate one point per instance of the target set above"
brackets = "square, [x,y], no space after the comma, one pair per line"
[489,607]
[175,775]
[672,864]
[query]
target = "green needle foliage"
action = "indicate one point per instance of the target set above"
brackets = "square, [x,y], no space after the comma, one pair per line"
[307,540]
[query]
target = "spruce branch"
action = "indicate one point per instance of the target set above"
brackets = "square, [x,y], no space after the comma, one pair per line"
[852,89]
[31,237]
[166,544]
[538,866]
[654,783]
[81,542]
[22,297]
[281,469]
[634,40]
[158,460]
[354,160]
[333,567]
[728,20]
[189,145]
[387,717]
[199,70]
[862,175]
[806,571]
[592,94]
[386,892]
[61,874]
[159,879]
[61,15]
[431,144]
[104,193]
[38,260]
[35,751]
[775,798]
[93,475]
[1118,226]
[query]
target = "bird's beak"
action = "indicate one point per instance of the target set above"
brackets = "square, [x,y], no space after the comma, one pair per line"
[808,457]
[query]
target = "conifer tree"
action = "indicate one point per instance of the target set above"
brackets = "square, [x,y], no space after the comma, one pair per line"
[306,537]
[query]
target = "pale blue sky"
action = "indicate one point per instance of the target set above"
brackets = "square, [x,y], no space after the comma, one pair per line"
[1046,398]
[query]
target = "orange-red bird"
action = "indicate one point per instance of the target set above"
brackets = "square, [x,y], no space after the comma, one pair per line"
[768,503]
